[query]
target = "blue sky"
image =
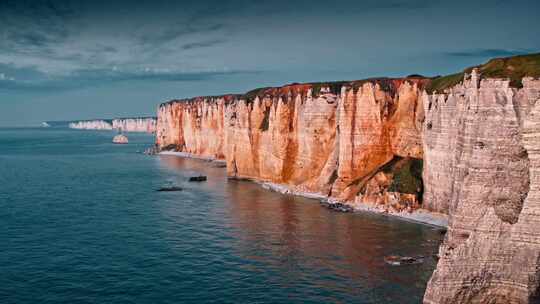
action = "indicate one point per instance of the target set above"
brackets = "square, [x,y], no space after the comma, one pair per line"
[62,60]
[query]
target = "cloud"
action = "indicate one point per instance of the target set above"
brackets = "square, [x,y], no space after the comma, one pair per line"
[202,44]
[178,30]
[59,38]
[116,74]
[487,53]
[34,24]
[403,4]
[35,81]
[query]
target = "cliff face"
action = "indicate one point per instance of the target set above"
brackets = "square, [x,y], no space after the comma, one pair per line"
[466,145]
[194,126]
[97,124]
[328,139]
[480,146]
[141,124]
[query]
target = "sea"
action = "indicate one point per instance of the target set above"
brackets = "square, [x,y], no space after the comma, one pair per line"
[82,222]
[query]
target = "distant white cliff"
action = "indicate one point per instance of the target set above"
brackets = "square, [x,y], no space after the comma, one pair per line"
[142,124]
[97,124]
[138,124]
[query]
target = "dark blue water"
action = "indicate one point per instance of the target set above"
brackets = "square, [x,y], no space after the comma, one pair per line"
[81,222]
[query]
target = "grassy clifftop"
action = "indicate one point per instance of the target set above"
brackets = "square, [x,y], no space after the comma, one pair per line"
[513,68]
[387,84]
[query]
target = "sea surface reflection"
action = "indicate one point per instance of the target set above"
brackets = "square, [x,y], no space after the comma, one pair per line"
[310,248]
[83,223]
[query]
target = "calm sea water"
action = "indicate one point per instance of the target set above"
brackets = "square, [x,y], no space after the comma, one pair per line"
[82,223]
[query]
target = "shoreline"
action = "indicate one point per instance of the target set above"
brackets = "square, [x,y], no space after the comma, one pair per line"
[189,155]
[420,216]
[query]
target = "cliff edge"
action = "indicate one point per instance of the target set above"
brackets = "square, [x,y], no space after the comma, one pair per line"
[465,145]
[356,141]
[481,146]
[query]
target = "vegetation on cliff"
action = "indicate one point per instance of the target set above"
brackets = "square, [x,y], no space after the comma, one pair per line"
[407,175]
[513,68]
[334,87]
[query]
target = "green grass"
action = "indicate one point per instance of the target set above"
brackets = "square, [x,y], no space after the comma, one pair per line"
[513,68]
[407,176]
[335,87]
[251,95]
[439,84]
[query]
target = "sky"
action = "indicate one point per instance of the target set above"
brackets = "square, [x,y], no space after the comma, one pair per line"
[68,60]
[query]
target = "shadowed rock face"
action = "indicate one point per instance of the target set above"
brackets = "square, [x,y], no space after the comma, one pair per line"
[481,143]
[328,139]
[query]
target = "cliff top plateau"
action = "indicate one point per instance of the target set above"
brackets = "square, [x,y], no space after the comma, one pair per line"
[513,68]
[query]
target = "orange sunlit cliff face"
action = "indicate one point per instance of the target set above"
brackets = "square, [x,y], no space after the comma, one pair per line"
[329,139]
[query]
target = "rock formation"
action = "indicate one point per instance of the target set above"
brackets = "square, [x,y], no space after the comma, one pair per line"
[120,139]
[98,124]
[465,145]
[136,124]
[194,126]
[329,139]
[481,146]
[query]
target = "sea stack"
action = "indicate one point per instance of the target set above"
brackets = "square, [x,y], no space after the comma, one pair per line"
[120,139]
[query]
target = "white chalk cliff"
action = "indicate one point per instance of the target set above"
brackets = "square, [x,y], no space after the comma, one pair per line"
[466,145]
[138,124]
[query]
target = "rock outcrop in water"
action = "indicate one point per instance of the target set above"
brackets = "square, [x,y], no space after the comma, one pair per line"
[120,139]
[465,145]
[136,124]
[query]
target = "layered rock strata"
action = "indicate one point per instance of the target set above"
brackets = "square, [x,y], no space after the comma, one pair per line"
[481,143]
[194,126]
[466,145]
[329,139]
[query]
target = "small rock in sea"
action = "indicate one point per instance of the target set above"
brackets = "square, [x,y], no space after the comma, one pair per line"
[151,151]
[169,189]
[120,139]
[396,260]
[200,178]
[340,207]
